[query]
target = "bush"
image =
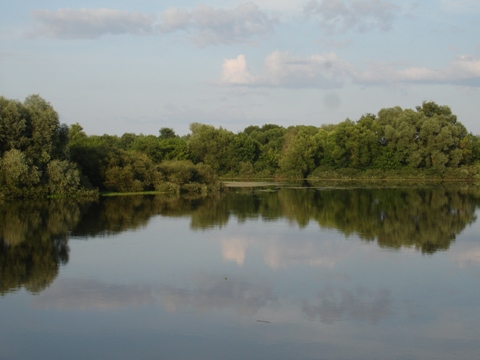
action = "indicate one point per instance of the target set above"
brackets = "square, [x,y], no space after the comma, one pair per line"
[177,172]
[168,187]
[195,188]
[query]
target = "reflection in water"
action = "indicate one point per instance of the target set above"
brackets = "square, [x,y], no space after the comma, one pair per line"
[282,274]
[361,304]
[33,236]
[33,243]
[81,294]
[243,296]
[468,257]
[284,254]
[208,294]
[427,219]
[235,250]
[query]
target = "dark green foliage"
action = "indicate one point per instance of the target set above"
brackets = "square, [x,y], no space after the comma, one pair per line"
[298,156]
[18,176]
[128,171]
[167,133]
[34,158]
[40,156]
[428,141]
[63,177]
[176,176]
[33,242]
[212,146]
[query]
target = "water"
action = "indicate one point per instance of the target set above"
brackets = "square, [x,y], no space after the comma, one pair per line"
[287,274]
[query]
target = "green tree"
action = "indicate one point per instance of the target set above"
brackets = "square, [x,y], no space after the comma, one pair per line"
[167,133]
[298,156]
[43,127]
[149,145]
[63,177]
[18,176]
[76,134]
[271,138]
[31,139]
[13,125]
[211,146]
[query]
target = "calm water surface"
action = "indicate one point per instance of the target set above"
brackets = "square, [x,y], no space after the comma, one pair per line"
[287,274]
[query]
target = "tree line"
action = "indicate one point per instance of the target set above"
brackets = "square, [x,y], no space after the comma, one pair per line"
[40,156]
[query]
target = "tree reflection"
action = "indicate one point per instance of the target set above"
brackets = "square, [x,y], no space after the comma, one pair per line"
[33,235]
[114,215]
[427,218]
[33,242]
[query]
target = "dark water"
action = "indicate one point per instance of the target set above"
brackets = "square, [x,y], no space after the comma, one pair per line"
[287,274]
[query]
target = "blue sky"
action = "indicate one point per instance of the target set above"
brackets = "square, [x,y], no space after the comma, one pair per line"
[138,66]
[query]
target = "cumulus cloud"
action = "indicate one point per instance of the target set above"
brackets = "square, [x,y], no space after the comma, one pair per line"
[344,15]
[285,70]
[235,71]
[205,25]
[329,71]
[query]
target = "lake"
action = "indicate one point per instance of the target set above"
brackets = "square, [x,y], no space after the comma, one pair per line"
[256,273]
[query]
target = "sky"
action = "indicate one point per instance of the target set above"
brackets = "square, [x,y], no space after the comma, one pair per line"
[138,66]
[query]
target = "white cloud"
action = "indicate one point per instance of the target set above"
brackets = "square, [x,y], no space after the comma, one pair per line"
[281,69]
[284,70]
[219,26]
[174,19]
[235,71]
[204,24]
[464,70]
[91,23]
[344,15]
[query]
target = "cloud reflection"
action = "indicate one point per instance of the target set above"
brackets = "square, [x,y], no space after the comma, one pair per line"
[341,304]
[79,294]
[235,250]
[282,253]
[466,256]
[242,296]
[311,253]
